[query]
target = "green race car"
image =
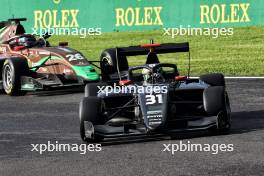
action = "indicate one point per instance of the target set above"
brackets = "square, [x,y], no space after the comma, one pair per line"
[29,63]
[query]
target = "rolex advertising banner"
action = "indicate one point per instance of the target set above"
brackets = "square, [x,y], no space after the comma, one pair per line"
[135,15]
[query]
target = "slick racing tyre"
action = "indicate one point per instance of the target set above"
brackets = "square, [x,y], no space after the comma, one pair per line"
[216,103]
[12,71]
[108,63]
[224,119]
[90,115]
[214,79]
[93,89]
[2,91]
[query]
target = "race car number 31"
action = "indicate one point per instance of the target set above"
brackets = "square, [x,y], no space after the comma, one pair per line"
[154,99]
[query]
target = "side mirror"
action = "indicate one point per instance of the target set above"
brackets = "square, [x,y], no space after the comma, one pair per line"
[46,36]
[63,44]
[180,78]
[18,48]
[125,82]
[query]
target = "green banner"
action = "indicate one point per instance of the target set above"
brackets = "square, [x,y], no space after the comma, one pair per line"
[133,15]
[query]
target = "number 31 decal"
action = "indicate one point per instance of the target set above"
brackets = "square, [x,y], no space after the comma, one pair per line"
[152,99]
[74,57]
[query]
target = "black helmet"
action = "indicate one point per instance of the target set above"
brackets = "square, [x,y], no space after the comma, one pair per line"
[27,41]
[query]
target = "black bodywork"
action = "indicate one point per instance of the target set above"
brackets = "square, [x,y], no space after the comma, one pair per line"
[183,104]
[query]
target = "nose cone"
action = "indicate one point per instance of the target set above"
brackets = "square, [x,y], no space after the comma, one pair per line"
[88,73]
[154,109]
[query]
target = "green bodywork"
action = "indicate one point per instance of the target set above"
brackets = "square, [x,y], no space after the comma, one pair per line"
[82,71]
[85,72]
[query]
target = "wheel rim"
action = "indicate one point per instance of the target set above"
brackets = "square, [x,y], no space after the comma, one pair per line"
[228,111]
[106,61]
[228,108]
[7,79]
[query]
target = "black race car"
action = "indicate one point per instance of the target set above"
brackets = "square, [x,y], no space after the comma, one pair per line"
[152,98]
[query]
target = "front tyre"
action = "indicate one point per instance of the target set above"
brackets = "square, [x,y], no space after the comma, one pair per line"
[93,89]
[90,115]
[224,123]
[216,103]
[224,119]
[13,69]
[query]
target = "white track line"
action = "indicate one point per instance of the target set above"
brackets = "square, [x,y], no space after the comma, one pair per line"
[243,77]
[239,77]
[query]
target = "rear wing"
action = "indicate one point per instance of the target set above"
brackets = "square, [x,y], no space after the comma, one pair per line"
[159,49]
[9,21]
[17,20]
[10,28]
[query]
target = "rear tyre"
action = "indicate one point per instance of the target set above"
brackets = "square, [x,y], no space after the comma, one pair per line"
[224,123]
[108,63]
[216,102]
[214,99]
[214,79]
[13,69]
[92,89]
[90,112]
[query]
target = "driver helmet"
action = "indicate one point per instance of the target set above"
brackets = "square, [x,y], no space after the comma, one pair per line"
[27,41]
[146,74]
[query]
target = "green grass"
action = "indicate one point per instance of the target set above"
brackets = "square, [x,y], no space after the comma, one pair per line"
[239,55]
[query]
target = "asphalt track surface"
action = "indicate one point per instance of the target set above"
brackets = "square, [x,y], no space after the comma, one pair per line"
[42,117]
